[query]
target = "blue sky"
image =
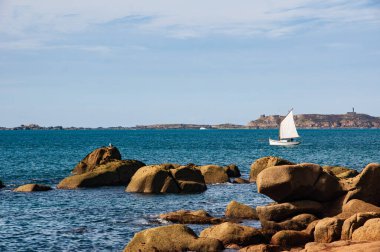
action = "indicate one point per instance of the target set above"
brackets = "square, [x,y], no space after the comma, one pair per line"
[110,63]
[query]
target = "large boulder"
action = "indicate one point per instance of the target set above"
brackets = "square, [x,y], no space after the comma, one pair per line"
[357,206]
[261,248]
[236,210]
[262,163]
[342,246]
[191,217]
[99,156]
[328,230]
[232,170]
[113,173]
[366,185]
[298,182]
[232,233]
[171,238]
[32,188]
[153,179]
[282,211]
[355,222]
[214,174]
[289,238]
[189,179]
[370,231]
[340,171]
[299,222]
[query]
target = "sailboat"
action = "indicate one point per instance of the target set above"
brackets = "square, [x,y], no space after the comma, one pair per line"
[287,132]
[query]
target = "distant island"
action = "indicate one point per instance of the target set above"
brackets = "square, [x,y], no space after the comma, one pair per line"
[306,121]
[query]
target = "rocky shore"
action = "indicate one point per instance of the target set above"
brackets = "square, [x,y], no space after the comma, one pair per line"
[315,208]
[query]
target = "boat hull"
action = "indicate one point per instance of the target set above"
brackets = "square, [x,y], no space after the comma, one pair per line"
[282,142]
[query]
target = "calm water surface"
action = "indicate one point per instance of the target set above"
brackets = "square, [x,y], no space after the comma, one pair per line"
[105,219]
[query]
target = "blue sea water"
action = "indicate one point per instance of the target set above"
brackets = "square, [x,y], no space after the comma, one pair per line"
[105,219]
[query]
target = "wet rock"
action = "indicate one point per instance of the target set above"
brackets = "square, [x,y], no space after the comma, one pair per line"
[328,230]
[299,222]
[153,179]
[342,246]
[189,179]
[113,173]
[99,156]
[1,184]
[261,248]
[171,238]
[240,181]
[370,231]
[214,174]
[298,182]
[340,172]
[282,211]
[32,188]
[236,210]
[190,217]
[366,185]
[232,233]
[289,238]
[355,222]
[232,170]
[262,163]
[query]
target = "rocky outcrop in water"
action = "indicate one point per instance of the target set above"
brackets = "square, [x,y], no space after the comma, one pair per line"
[214,174]
[97,157]
[262,163]
[32,188]
[191,217]
[113,173]
[236,210]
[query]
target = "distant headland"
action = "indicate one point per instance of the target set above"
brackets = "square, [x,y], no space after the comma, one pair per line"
[306,121]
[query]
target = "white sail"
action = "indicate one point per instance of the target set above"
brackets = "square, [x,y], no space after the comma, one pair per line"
[288,127]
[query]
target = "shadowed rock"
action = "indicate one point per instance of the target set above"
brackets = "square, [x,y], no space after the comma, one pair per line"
[32,188]
[340,172]
[355,222]
[328,230]
[189,179]
[171,238]
[191,217]
[232,233]
[1,184]
[298,182]
[262,163]
[282,211]
[236,210]
[290,238]
[240,181]
[99,156]
[261,248]
[299,222]
[232,170]
[113,173]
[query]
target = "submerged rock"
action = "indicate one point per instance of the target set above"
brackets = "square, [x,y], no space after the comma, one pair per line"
[113,173]
[214,174]
[236,210]
[298,182]
[262,163]
[32,188]
[1,184]
[191,217]
[240,181]
[171,238]
[99,156]
[232,233]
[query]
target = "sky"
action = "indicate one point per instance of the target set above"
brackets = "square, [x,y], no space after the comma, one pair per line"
[121,62]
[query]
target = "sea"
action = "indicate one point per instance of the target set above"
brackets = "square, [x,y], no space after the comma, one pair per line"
[106,218]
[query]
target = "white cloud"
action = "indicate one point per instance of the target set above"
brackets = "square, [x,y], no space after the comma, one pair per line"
[25,19]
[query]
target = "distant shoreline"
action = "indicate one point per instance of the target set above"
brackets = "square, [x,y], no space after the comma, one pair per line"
[350,120]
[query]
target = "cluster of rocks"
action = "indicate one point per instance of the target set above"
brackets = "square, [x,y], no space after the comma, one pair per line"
[316,209]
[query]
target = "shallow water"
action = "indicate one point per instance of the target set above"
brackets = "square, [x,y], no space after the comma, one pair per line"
[106,218]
